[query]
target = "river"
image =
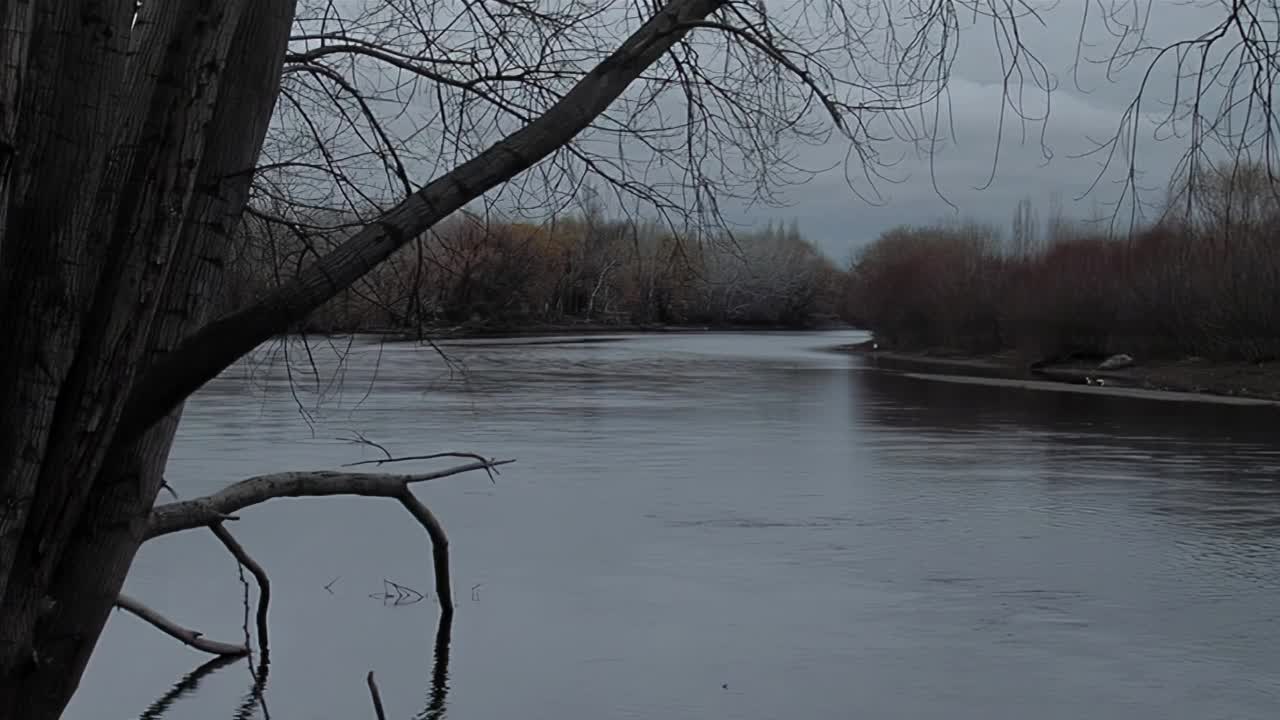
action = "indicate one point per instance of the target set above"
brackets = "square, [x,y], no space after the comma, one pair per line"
[718,526]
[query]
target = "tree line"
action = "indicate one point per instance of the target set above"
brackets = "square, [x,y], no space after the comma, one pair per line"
[1201,281]
[472,273]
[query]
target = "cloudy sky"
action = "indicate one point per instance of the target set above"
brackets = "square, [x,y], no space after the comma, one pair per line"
[1087,104]
[830,214]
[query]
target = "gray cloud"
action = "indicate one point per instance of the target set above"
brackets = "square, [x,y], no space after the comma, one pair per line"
[1086,106]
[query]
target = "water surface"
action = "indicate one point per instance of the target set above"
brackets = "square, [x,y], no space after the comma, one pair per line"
[720,526]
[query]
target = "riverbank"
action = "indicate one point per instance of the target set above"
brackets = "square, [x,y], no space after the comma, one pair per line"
[1185,379]
[469,332]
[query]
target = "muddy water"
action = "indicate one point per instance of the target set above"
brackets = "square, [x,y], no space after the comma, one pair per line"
[720,526]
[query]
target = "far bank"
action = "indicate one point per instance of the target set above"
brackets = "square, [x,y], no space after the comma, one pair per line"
[536,330]
[1210,380]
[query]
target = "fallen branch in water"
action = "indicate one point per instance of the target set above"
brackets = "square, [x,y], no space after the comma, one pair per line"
[200,512]
[212,510]
[184,635]
[264,583]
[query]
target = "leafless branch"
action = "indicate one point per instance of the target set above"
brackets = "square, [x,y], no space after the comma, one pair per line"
[264,583]
[439,546]
[490,466]
[200,512]
[208,511]
[186,636]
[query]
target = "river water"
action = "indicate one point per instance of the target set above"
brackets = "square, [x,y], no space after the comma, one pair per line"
[718,526]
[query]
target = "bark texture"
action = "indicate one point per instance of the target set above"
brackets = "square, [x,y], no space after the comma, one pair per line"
[173,182]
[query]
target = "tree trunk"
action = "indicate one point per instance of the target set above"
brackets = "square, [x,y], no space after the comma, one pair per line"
[113,526]
[147,302]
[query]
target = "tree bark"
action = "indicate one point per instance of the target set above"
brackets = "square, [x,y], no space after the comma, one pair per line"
[107,531]
[46,278]
[139,210]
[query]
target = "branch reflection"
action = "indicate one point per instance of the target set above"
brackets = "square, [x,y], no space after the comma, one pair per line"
[184,687]
[438,695]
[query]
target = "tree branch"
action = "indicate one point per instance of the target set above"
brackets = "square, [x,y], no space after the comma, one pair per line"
[439,547]
[200,512]
[184,635]
[202,356]
[212,509]
[246,560]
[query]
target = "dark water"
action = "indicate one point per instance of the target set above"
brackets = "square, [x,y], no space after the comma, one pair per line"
[723,526]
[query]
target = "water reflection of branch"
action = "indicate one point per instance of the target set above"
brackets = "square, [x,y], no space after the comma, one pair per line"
[255,699]
[184,687]
[438,696]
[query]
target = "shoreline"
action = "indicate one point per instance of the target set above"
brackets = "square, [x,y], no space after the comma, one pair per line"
[1188,380]
[444,334]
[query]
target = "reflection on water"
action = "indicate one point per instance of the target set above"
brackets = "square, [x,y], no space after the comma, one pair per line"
[1215,466]
[254,703]
[438,695]
[184,686]
[735,526]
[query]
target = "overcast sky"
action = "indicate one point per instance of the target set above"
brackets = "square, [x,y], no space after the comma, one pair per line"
[839,222]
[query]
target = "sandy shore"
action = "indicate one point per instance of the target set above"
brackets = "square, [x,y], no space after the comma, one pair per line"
[1186,380]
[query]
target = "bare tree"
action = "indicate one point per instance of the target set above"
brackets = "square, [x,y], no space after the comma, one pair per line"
[132,137]
[1215,91]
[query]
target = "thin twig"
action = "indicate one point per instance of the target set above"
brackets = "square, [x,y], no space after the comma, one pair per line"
[490,464]
[360,439]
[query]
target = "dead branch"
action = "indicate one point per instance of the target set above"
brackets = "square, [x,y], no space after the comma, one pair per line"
[186,636]
[211,509]
[439,547]
[377,698]
[200,512]
[264,583]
